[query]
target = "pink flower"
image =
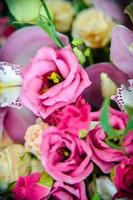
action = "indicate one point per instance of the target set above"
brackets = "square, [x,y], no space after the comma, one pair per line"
[29,188]
[128,143]
[52,80]
[118,119]
[103,156]
[65,157]
[75,118]
[123,179]
[68,192]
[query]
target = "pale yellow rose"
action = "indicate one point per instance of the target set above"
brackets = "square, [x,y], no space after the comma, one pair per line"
[36,166]
[14,162]
[62,14]
[93,27]
[33,137]
[5,140]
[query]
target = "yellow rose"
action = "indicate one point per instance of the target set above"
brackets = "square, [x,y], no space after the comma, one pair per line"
[36,166]
[33,137]
[93,27]
[14,162]
[62,13]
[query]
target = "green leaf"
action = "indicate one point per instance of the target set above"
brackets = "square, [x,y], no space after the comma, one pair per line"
[24,10]
[46,180]
[48,26]
[96,196]
[129,11]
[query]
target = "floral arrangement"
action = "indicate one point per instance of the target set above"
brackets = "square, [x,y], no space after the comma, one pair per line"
[66,100]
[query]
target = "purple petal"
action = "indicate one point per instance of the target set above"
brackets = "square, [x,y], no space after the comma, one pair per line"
[93,93]
[121,54]
[17,121]
[112,8]
[22,45]
[3,112]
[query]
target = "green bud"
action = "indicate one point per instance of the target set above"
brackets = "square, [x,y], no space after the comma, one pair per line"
[87,52]
[77,42]
[83,134]
[80,55]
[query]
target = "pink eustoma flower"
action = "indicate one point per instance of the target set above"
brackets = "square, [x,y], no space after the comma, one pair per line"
[68,192]
[52,80]
[128,143]
[123,179]
[75,118]
[65,156]
[103,155]
[29,188]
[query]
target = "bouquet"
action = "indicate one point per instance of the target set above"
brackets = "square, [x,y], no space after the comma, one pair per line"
[66,100]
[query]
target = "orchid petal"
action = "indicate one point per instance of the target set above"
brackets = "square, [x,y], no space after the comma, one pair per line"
[112,8]
[93,94]
[17,122]
[10,85]
[3,112]
[23,44]
[124,96]
[121,45]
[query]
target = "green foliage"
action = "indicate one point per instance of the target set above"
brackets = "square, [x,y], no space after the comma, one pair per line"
[46,180]
[129,11]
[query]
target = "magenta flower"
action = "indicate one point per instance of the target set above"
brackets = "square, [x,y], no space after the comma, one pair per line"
[122,49]
[29,188]
[104,156]
[65,157]
[123,179]
[93,94]
[52,80]
[28,40]
[68,192]
[128,143]
[75,118]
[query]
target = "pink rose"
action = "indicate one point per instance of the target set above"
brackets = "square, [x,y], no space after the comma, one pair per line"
[123,179]
[103,156]
[65,157]
[52,80]
[128,143]
[28,188]
[68,192]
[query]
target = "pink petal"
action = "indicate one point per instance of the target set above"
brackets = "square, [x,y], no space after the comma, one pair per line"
[93,93]
[17,121]
[121,56]
[22,45]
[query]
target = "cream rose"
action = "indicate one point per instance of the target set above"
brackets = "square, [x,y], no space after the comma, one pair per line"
[62,14]
[33,137]
[87,2]
[14,162]
[93,27]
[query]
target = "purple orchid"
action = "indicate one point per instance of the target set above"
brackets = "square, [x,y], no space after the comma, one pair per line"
[122,49]
[112,8]
[93,94]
